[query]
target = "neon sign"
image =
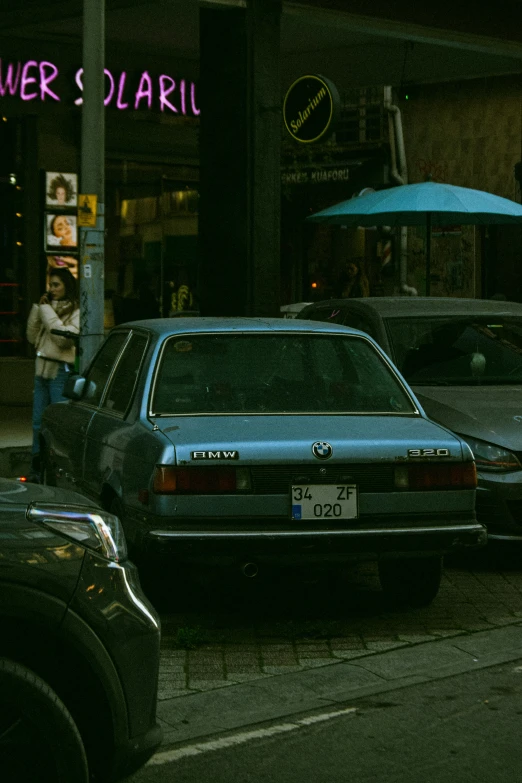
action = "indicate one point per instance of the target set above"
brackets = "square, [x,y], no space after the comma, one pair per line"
[31,80]
[18,78]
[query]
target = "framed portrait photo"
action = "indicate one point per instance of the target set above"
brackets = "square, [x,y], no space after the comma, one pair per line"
[62,262]
[61,233]
[61,189]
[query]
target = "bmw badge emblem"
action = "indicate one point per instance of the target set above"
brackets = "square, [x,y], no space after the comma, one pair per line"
[322,450]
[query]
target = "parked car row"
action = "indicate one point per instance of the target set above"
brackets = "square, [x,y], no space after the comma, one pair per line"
[350,433]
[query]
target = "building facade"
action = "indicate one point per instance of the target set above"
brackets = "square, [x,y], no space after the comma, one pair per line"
[455,78]
[151,174]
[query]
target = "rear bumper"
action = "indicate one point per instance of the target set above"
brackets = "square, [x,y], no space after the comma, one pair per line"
[368,540]
[499,506]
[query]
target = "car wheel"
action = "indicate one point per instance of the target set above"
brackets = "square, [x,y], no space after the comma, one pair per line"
[39,739]
[151,577]
[411,581]
[116,508]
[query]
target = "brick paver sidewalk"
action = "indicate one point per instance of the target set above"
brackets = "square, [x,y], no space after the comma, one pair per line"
[252,632]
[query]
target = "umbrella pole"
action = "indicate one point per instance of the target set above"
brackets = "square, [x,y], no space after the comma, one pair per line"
[428,252]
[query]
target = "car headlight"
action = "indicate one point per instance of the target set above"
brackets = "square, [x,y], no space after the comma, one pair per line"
[91,528]
[488,456]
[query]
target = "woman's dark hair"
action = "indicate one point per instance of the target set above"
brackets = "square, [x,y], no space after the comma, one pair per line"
[359,284]
[344,277]
[70,284]
[61,182]
[358,262]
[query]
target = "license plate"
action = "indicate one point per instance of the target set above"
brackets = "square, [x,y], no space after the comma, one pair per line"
[324,501]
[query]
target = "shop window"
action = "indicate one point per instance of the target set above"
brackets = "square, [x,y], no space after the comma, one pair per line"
[12,326]
[138,210]
[147,210]
[11,336]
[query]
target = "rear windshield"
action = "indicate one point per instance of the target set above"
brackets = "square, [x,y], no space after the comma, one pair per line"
[275,373]
[467,351]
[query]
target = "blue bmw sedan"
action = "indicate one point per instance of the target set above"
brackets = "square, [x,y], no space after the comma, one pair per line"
[259,441]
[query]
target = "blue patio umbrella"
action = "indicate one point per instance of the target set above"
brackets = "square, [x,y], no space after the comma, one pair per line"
[425,203]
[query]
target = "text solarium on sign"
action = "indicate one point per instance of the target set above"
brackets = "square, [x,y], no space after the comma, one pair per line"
[310,108]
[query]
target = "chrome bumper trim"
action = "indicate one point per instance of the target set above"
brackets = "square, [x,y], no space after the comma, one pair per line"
[260,534]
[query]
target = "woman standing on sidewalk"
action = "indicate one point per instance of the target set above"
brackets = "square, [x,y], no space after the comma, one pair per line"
[58,309]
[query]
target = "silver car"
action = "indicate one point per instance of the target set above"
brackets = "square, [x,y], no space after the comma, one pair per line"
[463,359]
[253,442]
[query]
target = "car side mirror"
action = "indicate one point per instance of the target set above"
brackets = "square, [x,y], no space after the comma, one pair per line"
[74,387]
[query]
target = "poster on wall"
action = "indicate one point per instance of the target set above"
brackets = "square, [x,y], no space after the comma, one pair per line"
[60,232]
[62,262]
[61,189]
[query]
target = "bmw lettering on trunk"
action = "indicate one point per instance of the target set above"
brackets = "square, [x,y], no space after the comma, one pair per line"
[215,454]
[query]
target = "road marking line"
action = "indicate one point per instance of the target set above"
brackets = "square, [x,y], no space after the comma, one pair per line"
[169,756]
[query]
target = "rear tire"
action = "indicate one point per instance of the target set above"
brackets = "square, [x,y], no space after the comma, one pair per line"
[412,581]
[39,740]
[116,508]
[150,576]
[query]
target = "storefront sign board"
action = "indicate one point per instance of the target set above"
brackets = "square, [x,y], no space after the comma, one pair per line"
[310,108]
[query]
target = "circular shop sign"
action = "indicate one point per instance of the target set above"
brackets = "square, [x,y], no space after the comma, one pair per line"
[310,108]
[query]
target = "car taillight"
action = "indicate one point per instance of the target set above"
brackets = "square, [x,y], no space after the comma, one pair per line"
[455,475]
[169,480]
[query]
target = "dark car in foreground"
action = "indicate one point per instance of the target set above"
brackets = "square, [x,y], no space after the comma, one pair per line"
[79,643]
[255,442]
[463,359]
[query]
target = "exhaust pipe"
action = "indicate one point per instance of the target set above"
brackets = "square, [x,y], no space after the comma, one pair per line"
[250,570]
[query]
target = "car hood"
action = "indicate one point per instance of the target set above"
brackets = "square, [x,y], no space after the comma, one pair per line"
[23,493]
[35,557]
[265,439]
[491,413]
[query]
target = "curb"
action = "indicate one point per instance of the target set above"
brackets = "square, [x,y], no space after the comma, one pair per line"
[203,714]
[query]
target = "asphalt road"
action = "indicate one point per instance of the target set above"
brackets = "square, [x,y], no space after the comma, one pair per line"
[460,729]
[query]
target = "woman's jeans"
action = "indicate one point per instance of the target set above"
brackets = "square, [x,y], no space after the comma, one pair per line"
[46,391]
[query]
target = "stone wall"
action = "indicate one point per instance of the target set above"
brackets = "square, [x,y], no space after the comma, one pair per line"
[468,134]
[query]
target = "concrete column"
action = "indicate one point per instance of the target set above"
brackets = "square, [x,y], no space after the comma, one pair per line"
[92,181]
[240,136]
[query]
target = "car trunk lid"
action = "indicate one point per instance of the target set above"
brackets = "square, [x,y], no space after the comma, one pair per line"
[244,439]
